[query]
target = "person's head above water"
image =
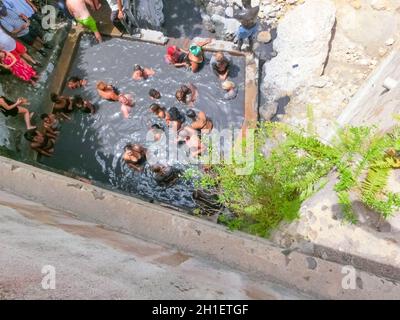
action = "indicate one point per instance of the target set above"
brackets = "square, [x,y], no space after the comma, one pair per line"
[182,93]
[153,93]
[195,50]
[127,100]
[156,127]
[44,117]
[219,56]
[101,85]
[172,50]
[30,135]
[138,68]
[191,114]
[156,108]
[174,114]
[75,82]
[54,97]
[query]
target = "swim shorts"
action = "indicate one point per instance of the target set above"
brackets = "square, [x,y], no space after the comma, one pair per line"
[244,33]
[90,23]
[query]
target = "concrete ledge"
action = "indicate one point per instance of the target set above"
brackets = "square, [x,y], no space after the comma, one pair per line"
[253,255]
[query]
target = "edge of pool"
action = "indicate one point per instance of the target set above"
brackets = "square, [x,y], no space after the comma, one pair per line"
[255,256]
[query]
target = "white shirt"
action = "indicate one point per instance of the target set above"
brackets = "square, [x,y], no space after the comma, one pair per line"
[113,4]
[19,6]
[6,42]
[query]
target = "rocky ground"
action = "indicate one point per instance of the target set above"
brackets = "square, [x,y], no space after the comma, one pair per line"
[326,49]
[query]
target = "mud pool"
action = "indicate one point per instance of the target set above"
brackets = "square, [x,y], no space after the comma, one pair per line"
[91,146]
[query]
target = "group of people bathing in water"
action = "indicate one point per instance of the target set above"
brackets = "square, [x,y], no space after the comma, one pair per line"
[135,155]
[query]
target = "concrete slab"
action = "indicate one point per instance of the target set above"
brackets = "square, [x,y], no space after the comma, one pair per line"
[256,257]
[92,262]
[373,105]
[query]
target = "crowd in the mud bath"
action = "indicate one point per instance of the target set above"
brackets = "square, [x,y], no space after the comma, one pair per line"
[14,57]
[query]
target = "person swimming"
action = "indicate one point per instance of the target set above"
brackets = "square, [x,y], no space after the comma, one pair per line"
[154,94]
[76,82]
[135,156]
[107,91]
[140,73]
[127,103]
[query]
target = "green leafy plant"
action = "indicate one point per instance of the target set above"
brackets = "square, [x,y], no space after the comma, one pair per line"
[295,166]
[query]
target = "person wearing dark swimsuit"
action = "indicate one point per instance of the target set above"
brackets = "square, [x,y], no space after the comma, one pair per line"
[12,109]
[62,104]
[41,143]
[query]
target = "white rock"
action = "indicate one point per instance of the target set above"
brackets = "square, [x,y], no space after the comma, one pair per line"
[389,42]
[302,44]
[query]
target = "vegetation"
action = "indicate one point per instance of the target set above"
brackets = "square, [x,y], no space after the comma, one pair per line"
[290,165]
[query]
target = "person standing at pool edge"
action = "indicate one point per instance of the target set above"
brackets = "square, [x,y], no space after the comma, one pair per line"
[81,13]
[247,16]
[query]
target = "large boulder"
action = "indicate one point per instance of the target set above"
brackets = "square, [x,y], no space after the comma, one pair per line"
[302,46]
[150,13]
[225,27]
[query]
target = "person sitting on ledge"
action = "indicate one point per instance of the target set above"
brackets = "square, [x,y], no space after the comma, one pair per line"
[76,82]
[62,104]
[221,65]
[231,90]
[51,125]
[127,103]
[134,156]
[187,94]
[200,121]
[195,57]
[176,57]
[107,91]
[40,142]
[12,109]
[154,94]
[159,111]
[140,73]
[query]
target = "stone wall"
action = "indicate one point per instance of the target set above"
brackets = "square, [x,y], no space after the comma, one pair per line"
[150,13]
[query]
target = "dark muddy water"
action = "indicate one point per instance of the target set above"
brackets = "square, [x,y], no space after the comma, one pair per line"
[92,146]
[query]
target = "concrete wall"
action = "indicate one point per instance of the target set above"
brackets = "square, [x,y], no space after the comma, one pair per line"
[154,223]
